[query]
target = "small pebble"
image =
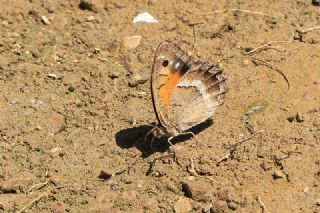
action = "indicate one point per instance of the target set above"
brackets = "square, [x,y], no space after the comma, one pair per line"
[245,62]
[232,205]
[299,117]
[130,42]
[52,75]
[137,79]
[306,189]
[71,88]
[206,208]
[88,5]
[317,202]
[114,74]
[91,18]
[45,20]
[182,206]
[104,175]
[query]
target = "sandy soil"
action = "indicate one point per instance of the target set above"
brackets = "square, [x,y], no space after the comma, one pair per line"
[75,107]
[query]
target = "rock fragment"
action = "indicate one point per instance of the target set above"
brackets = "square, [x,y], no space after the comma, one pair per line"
[182,206]
[45,20]
[197,190]
[130,42]
[20,183]
[137,79]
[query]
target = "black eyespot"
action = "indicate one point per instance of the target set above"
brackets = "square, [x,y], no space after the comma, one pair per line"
[165,63]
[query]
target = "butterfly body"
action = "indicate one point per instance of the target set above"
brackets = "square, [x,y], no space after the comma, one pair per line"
[185,92]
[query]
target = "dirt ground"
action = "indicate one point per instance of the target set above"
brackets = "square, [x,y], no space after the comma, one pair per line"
[75,105]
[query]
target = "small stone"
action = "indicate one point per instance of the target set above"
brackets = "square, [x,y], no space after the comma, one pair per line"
[91,19]
[130,42]
[55,150]
[45,20]
[197,190]
[316,122]
[92,5]
[137,79]
[317,202]
[306,189]
[71,88]
[20,183]
[52,75]
[220,206]
[114,74]
[182,206]
[206,208]
[291,118]
[171,26]
[299,117]
[168,185]
[246,62]
[104,175]
[316,2]
[277,174]
[57,207]
[5,23]
[232,205]
[265,166]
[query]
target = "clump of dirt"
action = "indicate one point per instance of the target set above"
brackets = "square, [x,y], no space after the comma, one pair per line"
[75,107]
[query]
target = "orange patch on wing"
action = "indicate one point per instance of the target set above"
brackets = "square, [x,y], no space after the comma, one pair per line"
[170,83]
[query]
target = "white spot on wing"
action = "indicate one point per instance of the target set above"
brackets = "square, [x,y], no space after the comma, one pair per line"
[176,66]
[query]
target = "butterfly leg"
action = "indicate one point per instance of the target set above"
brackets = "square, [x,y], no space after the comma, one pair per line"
[198,140]
[174,151]
[145,137]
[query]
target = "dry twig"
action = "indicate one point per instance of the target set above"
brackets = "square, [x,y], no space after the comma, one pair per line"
[241,10]
[38,186]
[257,60]
[33,201]
[234,147]
[265,46]
[308,30]
[261,204]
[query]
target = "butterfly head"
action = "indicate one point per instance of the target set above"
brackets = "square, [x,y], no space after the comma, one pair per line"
[160,131]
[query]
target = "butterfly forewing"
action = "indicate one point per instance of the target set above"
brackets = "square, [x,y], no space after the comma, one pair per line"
[170,64]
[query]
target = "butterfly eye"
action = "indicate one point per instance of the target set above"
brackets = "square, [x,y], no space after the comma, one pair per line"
[165,63]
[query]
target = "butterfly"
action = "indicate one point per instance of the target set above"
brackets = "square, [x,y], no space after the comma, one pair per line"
[185,92]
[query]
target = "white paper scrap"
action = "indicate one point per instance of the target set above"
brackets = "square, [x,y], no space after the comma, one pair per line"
[144,17]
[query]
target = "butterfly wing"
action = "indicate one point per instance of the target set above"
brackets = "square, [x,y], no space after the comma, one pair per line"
[169,66]
[197,95]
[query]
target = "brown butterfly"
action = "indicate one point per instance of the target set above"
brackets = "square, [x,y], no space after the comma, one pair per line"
[185,92]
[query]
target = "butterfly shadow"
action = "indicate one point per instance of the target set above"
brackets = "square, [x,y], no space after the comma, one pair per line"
[136,137]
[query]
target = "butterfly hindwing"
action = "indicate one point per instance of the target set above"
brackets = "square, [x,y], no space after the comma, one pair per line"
[197,96]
